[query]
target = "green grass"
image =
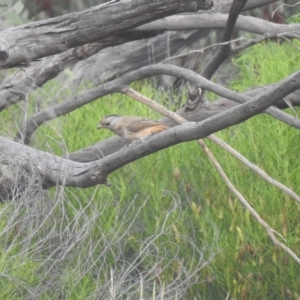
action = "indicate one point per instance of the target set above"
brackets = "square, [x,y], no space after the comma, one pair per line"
[179,213]
[265,63]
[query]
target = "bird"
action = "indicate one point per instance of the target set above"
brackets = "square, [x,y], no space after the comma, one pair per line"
[131,127]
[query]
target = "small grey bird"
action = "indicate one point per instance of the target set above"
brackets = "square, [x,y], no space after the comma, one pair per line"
[131,127]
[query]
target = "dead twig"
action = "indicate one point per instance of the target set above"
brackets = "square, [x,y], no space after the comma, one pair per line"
[270,231]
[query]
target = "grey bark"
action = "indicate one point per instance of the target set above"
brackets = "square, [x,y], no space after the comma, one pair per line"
[120,85]
[209,20]
[132,55]
[56,170]
[43,38]
[93,166]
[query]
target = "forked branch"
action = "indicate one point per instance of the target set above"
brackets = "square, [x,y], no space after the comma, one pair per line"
[154,105]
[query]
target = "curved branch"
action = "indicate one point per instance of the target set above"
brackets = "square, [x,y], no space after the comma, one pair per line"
[218,21]
[141,98]
[254,167]
[56,170]
[225,50]
[37,73]
[120,84]
[271,232]
[43,38]
[194,97]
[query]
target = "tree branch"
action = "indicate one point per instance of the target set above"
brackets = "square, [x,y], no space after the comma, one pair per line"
[120,85]
[206,20]
[180,120]
[55,170]
[37,73]
[253,212]
[194,98]
[223,7]
[43,38]
[224,52]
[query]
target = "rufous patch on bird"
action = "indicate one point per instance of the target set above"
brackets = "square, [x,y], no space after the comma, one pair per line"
[131,127]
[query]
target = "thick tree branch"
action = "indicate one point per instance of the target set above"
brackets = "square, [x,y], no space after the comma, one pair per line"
[224,52]
[51,169]
[136,55]
[120,84]
[55,170]
[43,38]
[205,20]
[113,144]
[180,120]
[40,72]
[194,98]
[37,73]
[271,232]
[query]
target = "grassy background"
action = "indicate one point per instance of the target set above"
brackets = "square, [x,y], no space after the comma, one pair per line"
[165,215]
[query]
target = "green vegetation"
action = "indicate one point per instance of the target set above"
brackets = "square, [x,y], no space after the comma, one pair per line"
[266,63]
[163,212]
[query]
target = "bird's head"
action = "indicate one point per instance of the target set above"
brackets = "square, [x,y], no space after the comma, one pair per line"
[107,121]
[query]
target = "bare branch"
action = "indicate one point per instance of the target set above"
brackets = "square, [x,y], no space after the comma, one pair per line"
[205,20]
[218,141]
[43,38]
[179,119]
[224,52]
[41,71]
[255,168]
[120,85]
[38,73]
[284,5]
[54,170]
[114,144]
[269,230]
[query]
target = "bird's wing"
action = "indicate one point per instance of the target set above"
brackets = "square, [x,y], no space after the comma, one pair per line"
[141,123]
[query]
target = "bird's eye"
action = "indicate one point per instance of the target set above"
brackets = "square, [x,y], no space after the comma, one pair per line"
[107,124]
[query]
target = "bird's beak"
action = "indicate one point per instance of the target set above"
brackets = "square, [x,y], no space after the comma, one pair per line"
[100,126]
